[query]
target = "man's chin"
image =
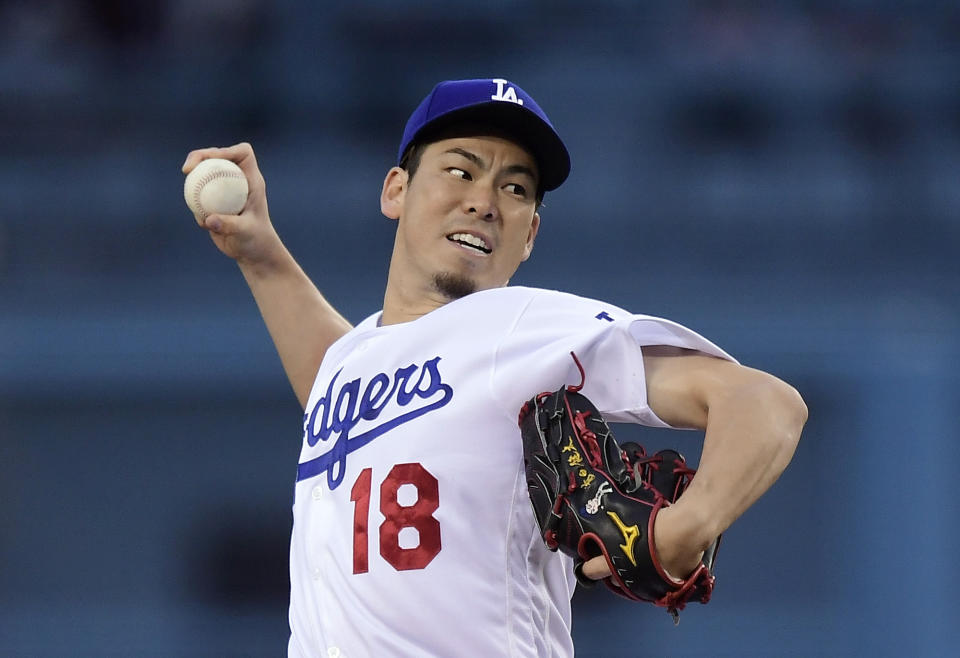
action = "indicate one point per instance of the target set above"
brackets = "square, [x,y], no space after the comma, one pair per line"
[454,286]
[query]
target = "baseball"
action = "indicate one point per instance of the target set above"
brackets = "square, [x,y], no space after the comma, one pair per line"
[215,186]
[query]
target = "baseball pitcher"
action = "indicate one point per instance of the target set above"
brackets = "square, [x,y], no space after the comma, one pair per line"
[457,474]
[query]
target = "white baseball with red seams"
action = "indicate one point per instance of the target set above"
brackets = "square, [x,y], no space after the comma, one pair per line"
[215,186]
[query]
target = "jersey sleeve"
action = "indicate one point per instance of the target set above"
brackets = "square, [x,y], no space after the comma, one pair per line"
[534,355]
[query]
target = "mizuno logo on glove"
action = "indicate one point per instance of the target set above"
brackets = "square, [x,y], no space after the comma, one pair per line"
[630,535]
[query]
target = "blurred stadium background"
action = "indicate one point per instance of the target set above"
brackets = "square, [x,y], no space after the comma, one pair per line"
[782,178]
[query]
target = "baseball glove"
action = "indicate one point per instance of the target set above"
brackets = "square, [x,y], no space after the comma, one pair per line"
[593,497]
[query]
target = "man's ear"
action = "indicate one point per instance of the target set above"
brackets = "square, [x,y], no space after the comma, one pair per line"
[532,235]
[393,192]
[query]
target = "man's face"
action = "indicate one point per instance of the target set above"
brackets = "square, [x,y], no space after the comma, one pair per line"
[467,218]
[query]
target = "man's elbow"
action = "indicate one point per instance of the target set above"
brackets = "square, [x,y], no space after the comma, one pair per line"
[796,411]
[787,411]
[777,409]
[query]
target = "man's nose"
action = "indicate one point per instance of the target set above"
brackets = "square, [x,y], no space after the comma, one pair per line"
[482,202]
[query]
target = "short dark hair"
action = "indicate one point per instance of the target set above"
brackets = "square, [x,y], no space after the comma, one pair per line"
[410,161]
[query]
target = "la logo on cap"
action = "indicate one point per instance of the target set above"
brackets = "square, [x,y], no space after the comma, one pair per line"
[508,95]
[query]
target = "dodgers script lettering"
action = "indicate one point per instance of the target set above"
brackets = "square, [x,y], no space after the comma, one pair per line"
[339,410]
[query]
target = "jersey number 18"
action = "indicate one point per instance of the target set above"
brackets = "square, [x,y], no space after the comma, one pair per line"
[397,517]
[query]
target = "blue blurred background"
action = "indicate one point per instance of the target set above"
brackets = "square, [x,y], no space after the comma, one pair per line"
[783,179]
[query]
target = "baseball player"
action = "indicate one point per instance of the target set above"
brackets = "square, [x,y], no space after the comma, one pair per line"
[413,533]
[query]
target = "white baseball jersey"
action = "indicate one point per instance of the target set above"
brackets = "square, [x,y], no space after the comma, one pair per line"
[413,533]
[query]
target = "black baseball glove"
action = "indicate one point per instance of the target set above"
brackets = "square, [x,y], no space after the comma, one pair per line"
[593,497]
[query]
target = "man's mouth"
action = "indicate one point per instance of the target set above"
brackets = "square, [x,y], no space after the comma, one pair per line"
[470,242]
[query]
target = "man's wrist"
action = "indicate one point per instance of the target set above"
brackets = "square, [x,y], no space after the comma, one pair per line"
[694,524]
[271,261]
[679,539]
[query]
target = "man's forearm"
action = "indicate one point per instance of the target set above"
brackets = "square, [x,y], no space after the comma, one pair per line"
[301,322]
[751,435]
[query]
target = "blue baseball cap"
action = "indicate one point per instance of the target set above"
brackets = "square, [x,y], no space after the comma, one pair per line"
[503,106]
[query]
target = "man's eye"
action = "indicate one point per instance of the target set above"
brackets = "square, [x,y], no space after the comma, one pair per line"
[459,173]
[516,188]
